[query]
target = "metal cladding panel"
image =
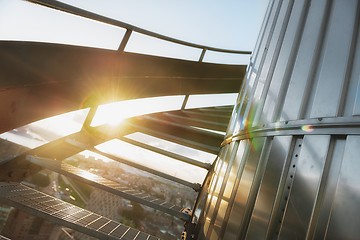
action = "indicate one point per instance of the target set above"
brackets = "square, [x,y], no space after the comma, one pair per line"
[230,185]
[227,194]
[222,171]
[298,124]
[334,59]
[284,64]
[221,200]
[352,103]
[344,218]
[260,40]
[302,197]
[257,79]
[210,198]
[277,46]
[322,211]
[215,214]
[246,176]
[305,60]
[271,180]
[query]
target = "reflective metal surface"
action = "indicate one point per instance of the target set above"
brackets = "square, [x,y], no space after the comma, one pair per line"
[344,219]
[295,172]
[271,181]
[66,214]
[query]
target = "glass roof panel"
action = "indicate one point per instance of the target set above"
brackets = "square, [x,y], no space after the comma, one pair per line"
[140,43]
[172,147]
[93,155]
[226,58]
[153,160]
[24,21]
[114,113]
[95,163]
[211,100]
[49,129]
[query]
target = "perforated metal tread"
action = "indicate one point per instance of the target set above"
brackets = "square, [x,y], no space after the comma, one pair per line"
[110,186]
[66,214]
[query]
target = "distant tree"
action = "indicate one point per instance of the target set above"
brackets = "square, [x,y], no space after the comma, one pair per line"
[136,213]
[138,210]
[128,222]
[40,180]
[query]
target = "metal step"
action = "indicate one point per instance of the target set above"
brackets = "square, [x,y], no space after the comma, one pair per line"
[66,214]
[110,186]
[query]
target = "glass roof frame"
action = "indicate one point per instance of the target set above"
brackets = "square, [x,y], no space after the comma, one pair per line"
[131,28]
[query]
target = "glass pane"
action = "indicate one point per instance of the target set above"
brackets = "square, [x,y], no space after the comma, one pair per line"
[153,160]
[24,21]
[102,166]
[114,113]
[140,43]
[172,147]
[226,58]
[41,132]
[211,100]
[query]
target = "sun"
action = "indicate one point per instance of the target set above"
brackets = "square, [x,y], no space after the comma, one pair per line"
[115,113]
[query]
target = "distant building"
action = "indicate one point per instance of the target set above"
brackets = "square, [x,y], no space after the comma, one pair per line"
[4,212]
[20,225]
[105,204]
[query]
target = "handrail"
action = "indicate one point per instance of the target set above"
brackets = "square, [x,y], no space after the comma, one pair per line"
[130,28]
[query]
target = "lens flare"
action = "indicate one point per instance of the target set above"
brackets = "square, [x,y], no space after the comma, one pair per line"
[307,128]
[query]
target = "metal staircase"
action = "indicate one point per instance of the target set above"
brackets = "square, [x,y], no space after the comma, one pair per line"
[28,96]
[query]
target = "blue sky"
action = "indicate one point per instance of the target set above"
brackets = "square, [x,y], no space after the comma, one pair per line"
[231,24]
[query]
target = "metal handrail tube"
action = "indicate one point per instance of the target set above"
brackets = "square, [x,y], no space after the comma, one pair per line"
[97,17]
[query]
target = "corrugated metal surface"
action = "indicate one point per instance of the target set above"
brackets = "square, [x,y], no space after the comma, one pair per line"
[289,168]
